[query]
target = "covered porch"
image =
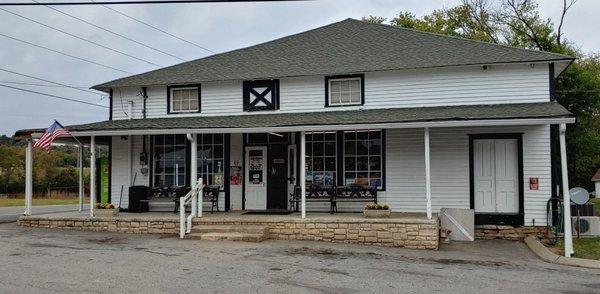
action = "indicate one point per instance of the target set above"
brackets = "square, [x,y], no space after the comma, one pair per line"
[419,160]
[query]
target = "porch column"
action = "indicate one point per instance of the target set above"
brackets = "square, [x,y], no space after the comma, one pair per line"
[28,177]
[92,175]
[566,196]
[427,174]
[80,169]
[303,172]
[196,207]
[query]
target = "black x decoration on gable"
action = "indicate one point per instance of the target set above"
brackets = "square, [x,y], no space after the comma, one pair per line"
[261,95]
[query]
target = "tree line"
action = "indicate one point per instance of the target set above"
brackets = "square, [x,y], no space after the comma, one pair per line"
[518,23]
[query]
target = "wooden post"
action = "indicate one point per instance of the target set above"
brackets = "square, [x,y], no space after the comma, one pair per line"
[427,174]
[28,176]
[566,196]
[92,175]
[80,168]
[303,172]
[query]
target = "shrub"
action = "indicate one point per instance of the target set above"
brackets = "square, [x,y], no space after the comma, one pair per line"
[377,207]
[105,206]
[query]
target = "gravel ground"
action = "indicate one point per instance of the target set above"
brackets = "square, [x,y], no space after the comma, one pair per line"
[34,260]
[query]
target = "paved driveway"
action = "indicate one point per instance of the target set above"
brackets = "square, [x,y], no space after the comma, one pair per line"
[11,214]
[45,260]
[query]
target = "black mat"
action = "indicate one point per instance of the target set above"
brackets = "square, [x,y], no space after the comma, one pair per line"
[269,212]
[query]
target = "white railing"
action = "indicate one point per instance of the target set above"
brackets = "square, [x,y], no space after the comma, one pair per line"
[195,198]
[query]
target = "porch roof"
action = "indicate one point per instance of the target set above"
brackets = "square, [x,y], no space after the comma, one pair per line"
[441,116]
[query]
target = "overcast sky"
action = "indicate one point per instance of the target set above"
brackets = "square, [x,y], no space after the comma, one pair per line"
[218,27]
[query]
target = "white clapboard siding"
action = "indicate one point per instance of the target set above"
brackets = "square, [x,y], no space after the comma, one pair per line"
[518,83]
[120,169]
[450,168]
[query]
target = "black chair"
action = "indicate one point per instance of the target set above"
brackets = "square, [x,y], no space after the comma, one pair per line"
[138,196]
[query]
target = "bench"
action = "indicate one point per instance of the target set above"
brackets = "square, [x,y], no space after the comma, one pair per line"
[314,193]
[210,194]
[354,193]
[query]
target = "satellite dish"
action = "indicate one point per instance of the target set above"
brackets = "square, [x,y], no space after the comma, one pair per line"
[579,195]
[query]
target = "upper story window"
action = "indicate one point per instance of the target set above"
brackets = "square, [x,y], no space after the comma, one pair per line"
[261,95]
[344,90]
[182,99]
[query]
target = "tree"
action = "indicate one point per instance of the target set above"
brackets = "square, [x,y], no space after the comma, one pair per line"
[518,23]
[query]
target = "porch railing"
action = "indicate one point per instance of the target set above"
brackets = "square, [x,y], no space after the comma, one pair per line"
[195,198]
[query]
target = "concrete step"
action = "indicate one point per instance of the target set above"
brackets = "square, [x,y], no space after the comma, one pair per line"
[248,229]
[247,233]
[227,236]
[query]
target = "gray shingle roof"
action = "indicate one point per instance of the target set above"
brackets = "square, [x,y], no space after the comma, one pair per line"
[349,46]
[351,117]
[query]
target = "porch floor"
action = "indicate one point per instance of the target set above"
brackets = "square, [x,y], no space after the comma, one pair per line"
[239,216]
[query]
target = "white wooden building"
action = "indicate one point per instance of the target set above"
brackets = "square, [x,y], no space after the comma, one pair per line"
[431,121]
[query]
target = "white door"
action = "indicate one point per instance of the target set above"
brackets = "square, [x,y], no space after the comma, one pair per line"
[292,177]
[496,176]
[256,178]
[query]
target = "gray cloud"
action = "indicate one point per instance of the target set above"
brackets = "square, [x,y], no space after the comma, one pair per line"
[219,27]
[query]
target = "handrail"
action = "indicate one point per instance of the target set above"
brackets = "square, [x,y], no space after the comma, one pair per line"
[194,196]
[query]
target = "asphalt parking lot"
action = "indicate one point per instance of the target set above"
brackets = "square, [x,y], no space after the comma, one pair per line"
[34,260]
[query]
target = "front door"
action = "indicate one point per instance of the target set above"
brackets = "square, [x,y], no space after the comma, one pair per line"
[277,177]
[256,178]
[496,176]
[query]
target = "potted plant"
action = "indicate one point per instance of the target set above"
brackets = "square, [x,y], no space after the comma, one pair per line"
[376,210]
[105,210]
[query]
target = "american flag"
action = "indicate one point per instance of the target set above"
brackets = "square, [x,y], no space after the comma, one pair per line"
[54,131]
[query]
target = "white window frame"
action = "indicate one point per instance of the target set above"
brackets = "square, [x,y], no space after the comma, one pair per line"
[360,91]
[171,90]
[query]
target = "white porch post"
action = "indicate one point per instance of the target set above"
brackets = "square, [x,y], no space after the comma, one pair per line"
[303,172]
[197,204]
[427,174]
[566,196]
[92,175]
[80,169]
[28,176]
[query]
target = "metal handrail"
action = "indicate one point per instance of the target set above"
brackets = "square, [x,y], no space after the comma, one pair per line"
[185,224]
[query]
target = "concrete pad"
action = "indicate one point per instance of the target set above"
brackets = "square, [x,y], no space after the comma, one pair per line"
[461,223]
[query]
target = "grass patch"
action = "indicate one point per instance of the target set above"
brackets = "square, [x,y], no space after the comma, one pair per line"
[588,248]
[40,201]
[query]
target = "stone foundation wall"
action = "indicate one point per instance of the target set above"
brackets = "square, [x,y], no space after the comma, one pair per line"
[106,225]
[423,235]
[489,232]
[418,234]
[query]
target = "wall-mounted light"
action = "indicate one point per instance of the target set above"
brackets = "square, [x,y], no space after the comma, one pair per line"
[485,67]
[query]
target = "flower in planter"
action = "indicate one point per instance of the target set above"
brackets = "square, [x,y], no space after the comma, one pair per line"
[105,206]
[377,207]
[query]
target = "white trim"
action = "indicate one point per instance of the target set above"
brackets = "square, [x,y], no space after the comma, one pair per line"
[308,128]
[360,92]
[183,88]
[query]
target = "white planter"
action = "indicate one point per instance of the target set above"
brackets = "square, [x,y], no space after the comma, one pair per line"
[376,213]
[105,212]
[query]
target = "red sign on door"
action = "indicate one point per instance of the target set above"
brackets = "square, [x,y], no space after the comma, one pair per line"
[534,184]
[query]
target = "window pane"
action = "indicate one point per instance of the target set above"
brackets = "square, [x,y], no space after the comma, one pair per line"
[374,163]
[318,149]
[218,139]
[355,86]
[318,163]
[350,163]
[207,139]
[193,104]
[349,135]
[350,178]
[330,163]
[362,147]
[218,151]
[350,147]
[330,148]
[375,147]
[362,178]
[176,105]
[362,163]
[362,135]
